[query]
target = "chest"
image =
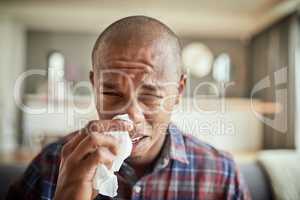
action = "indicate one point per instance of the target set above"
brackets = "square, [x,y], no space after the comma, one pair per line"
[167,185]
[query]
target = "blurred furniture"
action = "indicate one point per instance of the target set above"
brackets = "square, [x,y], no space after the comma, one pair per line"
[225,123]
[257,181]
[46,119]
[254,176]
[282,166]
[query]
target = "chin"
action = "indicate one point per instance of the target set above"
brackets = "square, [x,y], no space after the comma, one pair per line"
[138,153]
[136,159]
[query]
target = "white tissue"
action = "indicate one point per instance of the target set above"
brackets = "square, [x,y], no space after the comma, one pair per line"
[105,181]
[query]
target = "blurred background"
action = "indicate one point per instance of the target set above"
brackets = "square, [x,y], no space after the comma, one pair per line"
[241,57]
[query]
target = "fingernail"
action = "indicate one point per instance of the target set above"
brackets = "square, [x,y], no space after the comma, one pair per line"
[130,125]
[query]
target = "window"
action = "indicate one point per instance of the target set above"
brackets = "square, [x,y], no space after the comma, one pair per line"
[56,77]
[56,66]
[222,68]
[197,59]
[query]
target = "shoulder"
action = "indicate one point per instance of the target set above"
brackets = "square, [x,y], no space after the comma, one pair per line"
[215,167]
[201,150]
[50,154]
[39,179]
[206,160]
[43,169]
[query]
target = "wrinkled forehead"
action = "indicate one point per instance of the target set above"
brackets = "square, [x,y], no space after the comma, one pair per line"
[143,62]
[133,78]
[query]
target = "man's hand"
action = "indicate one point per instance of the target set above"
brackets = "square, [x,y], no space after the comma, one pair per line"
[82,154]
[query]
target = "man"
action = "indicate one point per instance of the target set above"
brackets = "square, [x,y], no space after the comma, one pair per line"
[137,71]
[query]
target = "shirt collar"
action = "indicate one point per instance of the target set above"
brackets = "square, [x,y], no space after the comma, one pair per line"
[173,148]
[177,150]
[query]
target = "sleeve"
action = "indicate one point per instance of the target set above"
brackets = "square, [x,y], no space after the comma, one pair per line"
[28,186]
[39,179]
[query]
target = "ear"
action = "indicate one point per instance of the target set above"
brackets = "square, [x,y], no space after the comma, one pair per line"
[181,87]
[92,77]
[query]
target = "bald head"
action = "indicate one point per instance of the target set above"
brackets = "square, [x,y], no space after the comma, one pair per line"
[139,32]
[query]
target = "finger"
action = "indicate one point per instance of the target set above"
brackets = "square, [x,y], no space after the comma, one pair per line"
[94,194]
[109,125]
[91,143]
[72,142]
[100,156]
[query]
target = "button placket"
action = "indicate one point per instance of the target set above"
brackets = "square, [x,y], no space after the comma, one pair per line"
[137,189]
[165,162]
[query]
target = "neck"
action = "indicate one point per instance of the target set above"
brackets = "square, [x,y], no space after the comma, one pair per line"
[142,165]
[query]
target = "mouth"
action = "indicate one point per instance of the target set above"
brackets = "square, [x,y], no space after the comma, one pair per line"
[137,139]
[139,143]
[137,135]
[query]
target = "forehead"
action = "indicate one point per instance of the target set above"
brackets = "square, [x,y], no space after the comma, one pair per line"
[130,55]
[123,77]
[150,54]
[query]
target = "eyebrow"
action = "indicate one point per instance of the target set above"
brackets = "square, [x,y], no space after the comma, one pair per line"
[141,65]
[157,89]
[151,87]
[109,86]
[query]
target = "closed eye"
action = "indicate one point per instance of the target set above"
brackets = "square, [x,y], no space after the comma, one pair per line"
[150,96]
[112,94]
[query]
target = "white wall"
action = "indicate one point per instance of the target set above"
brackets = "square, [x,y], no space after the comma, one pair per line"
[12,48]
[297,86]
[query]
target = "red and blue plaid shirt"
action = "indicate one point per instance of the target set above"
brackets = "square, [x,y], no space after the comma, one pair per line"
[186,168]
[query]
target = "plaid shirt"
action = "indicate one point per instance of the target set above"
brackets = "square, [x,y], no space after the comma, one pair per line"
[186,168]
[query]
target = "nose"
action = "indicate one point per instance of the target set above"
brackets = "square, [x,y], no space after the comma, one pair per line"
[135,113]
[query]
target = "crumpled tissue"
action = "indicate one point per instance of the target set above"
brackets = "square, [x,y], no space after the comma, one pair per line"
[105,181]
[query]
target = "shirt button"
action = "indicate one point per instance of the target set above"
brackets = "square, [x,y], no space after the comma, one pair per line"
[165,162]
[137,189]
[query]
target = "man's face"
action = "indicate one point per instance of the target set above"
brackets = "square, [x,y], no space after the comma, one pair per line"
[138,81]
